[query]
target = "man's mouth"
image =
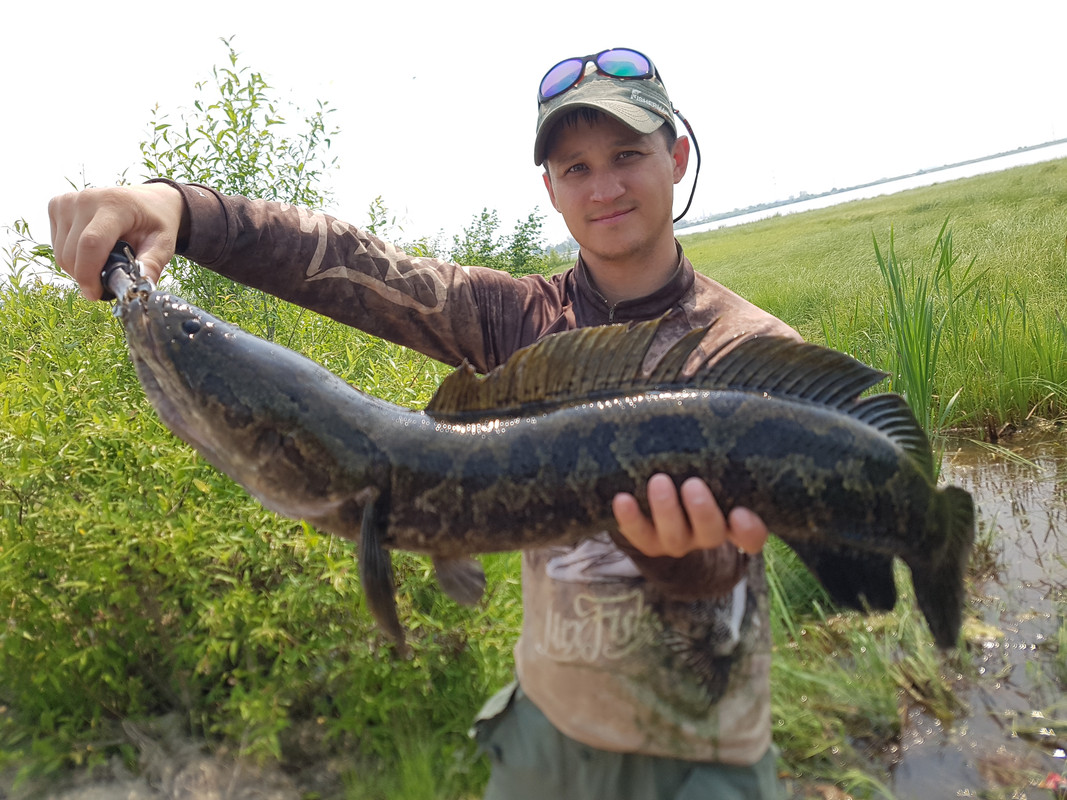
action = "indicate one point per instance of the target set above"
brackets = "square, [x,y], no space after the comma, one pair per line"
[612,215]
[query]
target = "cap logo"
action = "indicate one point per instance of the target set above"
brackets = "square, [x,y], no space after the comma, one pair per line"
[637,97]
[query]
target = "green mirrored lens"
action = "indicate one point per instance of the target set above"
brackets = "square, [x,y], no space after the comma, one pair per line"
[621,63]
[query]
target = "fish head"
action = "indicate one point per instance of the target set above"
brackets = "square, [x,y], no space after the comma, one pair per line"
[268,417]
[178,350]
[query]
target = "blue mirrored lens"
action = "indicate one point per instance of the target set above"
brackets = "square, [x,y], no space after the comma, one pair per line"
[561,77]
[622,63]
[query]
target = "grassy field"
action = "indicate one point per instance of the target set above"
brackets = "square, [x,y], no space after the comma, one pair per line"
[137,581]
[1003,341]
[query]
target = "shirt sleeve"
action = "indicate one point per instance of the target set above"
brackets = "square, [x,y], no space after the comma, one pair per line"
[449,312]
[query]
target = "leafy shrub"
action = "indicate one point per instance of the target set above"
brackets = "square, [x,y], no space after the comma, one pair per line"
[520,253]
[236,138]
[137,580]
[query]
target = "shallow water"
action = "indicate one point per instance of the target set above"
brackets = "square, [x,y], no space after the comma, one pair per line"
[1006,741]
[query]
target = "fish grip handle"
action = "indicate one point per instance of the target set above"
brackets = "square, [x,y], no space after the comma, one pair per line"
[119,260]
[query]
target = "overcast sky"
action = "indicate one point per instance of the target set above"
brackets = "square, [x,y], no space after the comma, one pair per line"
[436,101]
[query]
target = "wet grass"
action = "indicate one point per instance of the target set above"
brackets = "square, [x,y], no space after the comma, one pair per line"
[843,683]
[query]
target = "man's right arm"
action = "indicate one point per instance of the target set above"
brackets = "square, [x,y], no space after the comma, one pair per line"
[309,258]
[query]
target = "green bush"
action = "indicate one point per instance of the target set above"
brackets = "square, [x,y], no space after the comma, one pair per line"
[137,580]
[519,253]
[240,140]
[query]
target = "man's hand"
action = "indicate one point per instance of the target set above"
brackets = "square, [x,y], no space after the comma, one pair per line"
[86,225]
[684,521]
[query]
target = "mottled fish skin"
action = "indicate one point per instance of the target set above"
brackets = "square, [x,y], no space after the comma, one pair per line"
[847,483]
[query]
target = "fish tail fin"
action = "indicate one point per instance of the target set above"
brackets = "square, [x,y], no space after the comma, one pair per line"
[939,585]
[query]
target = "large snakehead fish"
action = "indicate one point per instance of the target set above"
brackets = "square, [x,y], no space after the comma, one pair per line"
[531,454]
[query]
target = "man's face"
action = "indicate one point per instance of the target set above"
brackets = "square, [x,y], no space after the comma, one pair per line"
[615,187]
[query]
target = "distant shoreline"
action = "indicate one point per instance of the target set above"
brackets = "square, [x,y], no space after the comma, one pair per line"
[805,196]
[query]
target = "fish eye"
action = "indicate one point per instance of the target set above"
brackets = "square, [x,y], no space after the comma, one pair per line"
[191,326]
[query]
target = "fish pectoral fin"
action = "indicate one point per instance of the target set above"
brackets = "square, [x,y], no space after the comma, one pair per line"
[858,579]
[376,571]
[461,578]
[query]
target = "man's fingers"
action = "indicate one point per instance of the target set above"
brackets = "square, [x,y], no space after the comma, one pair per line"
[81,237]
[154,258]
[633,524]
[670,531]
[668,517]
[85,226]
[684,520]
[94,246]
[705,516]
[746,530]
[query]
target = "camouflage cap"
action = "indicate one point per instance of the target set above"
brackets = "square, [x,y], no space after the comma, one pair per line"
[642,104]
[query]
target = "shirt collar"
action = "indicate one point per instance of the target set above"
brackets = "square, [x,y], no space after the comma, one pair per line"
[650,306]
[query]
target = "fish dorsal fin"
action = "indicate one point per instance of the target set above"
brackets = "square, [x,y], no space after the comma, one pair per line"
[789,368]
[579,366]
[796,370]
[891,414]
[560,370]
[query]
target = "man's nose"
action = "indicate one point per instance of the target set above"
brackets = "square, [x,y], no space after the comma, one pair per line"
[606,187]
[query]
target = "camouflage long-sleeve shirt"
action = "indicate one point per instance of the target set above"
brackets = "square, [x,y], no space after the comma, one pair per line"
[621,651]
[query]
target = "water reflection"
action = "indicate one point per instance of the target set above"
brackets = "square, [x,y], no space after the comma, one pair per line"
[1015,731]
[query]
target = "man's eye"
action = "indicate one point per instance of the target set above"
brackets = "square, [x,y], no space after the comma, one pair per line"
[575,168]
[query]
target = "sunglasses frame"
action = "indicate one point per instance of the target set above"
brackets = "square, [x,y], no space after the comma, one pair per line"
[651,72]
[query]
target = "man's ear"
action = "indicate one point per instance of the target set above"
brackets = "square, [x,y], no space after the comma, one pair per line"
[551,191]
[680,154]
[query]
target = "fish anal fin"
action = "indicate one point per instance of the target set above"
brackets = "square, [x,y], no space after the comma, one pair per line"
[376,570]
[461,578]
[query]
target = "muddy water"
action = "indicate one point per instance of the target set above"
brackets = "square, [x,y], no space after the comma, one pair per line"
[1007,740]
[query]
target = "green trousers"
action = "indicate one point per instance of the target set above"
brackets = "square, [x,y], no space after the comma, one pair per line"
[531,760]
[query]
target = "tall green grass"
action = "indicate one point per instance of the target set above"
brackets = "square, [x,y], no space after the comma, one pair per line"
[982,294]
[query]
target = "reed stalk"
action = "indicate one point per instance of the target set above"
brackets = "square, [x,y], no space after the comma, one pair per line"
[919,312]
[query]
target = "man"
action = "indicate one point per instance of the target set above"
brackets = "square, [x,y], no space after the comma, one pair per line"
[641,674]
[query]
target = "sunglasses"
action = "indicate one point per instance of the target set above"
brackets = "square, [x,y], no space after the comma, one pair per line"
[619,62]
